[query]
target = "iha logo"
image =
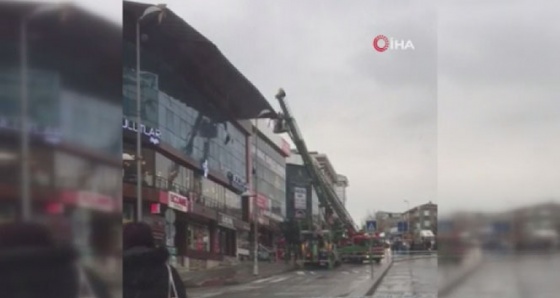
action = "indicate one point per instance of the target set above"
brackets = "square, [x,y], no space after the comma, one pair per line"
[381,44]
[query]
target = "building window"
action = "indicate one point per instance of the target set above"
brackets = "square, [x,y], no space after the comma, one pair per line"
[427,224]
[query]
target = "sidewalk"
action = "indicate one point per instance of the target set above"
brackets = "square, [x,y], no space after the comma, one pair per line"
[451,276]
[413,255]
[237,274]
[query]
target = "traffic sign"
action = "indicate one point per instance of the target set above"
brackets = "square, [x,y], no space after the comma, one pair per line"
[402,226]
[371,226]
[501,227]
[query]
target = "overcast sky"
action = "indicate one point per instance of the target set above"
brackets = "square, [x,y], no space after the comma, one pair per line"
[469,119]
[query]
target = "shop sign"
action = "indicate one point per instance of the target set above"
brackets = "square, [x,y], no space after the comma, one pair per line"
[89,200]
[178,202]
[285,146]
[226,221]
[50,134]
[236,181]
[153,134]
[262,202]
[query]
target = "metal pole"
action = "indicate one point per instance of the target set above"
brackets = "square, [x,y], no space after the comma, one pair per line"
[138,129]
[25,183]
[255,206]
[371,257]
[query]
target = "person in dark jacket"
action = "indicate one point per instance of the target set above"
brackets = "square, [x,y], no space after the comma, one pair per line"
[145,270]
[32,265]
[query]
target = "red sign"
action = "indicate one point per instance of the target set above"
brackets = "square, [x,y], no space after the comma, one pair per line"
[89,200]
[262,202]
[286,148]
[178,202]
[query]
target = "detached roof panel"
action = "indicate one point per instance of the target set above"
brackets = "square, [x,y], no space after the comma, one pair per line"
[198,61]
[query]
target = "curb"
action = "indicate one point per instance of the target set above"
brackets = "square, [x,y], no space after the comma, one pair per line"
[380,279]
[411,258]
[230,279]
[455,281]
[368,290]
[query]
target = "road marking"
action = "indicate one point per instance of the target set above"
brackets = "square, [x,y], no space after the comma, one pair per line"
[355,271]
[279,279]
[300,273]
[262,280]
[209,295]
[345,272]
[312,272]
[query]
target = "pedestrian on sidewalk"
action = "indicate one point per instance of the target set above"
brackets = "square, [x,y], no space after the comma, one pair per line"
[146,273]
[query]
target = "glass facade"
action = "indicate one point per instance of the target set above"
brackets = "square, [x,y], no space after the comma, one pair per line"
[270,169]
[186,129]
[167,175]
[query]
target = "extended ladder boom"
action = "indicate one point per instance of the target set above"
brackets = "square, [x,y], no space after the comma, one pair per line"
[327,195]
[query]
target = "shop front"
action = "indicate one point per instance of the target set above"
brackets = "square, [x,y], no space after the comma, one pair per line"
[177,209]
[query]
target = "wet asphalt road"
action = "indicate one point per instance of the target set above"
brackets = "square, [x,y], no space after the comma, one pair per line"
[414,278]
[306,283]
[513,276]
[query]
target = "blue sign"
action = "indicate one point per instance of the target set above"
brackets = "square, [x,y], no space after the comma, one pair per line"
[153,134]
[371,226]
[237,182]
[402,226]
[445,226]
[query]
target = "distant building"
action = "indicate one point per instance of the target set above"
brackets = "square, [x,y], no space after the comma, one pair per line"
[302,202]
[326,167]
[533,222]
[422,217]
[387,222]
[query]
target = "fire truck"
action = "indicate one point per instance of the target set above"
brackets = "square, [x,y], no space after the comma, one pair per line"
[319,249]
[360,247]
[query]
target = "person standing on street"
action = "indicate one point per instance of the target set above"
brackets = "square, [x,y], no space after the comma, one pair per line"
[146,273]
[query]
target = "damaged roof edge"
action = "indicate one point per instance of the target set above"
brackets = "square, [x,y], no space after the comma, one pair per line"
[245,100]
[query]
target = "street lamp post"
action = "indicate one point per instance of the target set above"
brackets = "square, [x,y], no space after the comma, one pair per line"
[26,204]
[150,10]
[408,217]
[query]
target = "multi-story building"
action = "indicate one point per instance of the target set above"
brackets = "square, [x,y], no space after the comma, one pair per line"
[341,186]
[302,203]
[387,222]
[196,149]
[533,224]
[326,167]
[269,153]
[74,111]
[422,217]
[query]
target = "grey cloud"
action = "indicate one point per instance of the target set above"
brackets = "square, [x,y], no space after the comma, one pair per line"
[521,45]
